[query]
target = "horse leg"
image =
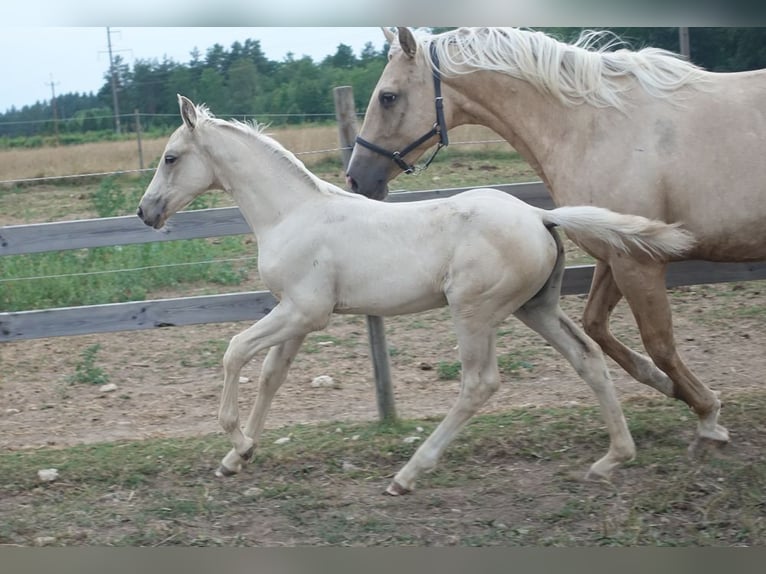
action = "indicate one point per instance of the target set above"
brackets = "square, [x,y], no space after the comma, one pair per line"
[273,374]
[643,285]
[544,315]
[479,380]
[283,323]
[602,299]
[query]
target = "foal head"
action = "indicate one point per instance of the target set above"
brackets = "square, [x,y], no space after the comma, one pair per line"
[184,171]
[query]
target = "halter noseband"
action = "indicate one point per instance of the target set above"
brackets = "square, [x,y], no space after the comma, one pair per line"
[439,128]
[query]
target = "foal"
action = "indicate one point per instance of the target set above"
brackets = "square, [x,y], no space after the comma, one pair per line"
[323,250]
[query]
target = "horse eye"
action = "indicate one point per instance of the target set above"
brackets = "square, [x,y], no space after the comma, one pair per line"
[387,99]
[170,159]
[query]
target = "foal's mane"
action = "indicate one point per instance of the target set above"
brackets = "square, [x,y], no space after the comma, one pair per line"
[254,130]
[573,73]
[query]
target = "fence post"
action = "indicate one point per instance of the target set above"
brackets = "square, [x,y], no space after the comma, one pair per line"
[138,139]
[345,113]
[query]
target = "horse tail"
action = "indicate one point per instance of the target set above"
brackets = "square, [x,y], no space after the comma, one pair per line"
[658,239]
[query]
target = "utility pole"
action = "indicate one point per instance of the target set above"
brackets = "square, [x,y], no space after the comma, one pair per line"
[683,41]
[113,74]
[52,84]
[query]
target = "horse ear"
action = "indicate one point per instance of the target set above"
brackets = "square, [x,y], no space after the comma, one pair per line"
[188,111]
[389,35]
[407,41]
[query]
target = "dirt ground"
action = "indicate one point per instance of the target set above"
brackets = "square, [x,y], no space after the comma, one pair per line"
[168,381]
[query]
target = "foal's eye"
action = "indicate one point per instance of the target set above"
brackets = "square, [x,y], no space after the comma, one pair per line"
[387,99]
[170,159]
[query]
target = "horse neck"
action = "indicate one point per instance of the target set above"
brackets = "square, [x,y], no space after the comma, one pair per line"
[263,181]
[535,124]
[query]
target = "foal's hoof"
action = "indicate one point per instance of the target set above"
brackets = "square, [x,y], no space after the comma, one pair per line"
[396,489]
[223,472]
[247,456]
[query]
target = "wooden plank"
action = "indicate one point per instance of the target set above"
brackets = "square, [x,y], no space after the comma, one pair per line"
[533,192]
[125,230]
[254,305]
[577,278]
[218,222]
[135,315]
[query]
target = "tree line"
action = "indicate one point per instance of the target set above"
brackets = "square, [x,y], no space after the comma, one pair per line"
[242,81]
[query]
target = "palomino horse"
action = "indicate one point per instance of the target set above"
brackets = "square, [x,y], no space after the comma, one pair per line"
[636,132]
[323,250]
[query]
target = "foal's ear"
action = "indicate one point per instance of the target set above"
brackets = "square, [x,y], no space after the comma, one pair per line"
[188,111]
[389,35]
[407,41]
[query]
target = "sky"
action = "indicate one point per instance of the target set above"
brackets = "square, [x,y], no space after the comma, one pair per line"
[76,59]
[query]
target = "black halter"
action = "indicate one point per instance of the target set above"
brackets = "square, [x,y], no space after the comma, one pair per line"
[439,128]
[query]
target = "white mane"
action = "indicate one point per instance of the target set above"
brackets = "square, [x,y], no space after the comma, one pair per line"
[573,73]
[257,131]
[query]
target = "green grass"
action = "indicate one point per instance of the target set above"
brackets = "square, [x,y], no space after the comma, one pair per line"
[508,479]
[120,273]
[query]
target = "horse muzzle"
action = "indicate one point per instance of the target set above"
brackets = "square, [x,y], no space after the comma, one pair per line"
[152,218]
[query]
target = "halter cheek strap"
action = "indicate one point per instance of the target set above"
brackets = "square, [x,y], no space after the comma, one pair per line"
[439,128]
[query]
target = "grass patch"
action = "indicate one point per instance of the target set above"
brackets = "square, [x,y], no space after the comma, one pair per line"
[508,479]
[86,370]
[122,273]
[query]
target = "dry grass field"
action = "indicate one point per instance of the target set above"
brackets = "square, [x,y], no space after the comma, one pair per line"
[18,164]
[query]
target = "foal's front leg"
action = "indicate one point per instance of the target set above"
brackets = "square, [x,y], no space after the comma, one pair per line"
[285,323]
[273,374]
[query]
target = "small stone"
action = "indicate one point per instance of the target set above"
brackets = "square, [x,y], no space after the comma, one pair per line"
[411,439]
[253,492]
[283,440]
[243,380]
[324,381]
[107,388]
[348,466]
[48,474]
[45,541]
[12,411]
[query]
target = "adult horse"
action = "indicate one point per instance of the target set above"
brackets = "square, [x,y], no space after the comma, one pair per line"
[323,250]
[638,132]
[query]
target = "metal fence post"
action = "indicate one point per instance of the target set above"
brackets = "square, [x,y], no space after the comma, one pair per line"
[345,113]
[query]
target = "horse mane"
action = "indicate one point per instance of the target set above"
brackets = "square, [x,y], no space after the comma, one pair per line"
[577,73]
[253,129]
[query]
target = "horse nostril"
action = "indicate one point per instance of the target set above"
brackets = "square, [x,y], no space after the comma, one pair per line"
[140,212]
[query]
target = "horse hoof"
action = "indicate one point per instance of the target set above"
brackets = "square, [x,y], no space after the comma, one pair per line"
[705,444]
[396,489]
[223,472]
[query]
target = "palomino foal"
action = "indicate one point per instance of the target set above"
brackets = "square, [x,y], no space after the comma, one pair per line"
[323,250]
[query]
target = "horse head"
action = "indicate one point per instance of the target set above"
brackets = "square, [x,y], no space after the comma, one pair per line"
[183,173]
[404,118]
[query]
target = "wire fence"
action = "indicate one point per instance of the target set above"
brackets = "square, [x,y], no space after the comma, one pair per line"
[81,274]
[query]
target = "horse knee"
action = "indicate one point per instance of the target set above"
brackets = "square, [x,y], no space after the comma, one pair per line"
[229,421]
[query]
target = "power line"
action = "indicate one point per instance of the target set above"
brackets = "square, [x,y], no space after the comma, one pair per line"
[53,84]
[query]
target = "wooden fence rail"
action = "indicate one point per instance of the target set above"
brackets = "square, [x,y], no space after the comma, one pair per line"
[69,321]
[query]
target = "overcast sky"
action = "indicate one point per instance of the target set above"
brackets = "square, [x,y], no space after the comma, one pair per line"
[75,59]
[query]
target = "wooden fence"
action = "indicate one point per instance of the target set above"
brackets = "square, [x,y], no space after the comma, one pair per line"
[69,321]
[137,315]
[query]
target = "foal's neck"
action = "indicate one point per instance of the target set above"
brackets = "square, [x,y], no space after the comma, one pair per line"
[265,180]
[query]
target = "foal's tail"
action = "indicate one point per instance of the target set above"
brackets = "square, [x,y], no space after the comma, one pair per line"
[624,232]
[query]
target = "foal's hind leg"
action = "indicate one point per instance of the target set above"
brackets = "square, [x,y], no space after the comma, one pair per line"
[602,299]
[643,285]
[479,380]
[544,315]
